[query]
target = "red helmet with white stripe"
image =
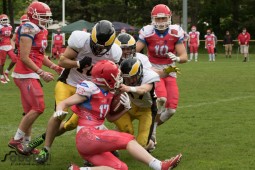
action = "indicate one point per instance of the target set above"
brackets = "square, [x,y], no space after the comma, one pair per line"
[4,19]
[24,18]
[39,13]
[161,11]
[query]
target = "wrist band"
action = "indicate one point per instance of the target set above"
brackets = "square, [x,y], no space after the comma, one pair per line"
[78,64]
[133,89]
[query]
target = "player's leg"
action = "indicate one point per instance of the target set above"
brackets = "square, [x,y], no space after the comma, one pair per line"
[2,62]
[213,54]
[172,99]
[33,106]
[124,123]
[145,119]
[13,57]
[62,91]
[191,52]
[196,52]
[230,50]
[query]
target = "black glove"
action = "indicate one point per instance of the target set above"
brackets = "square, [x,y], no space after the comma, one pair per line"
[85,62]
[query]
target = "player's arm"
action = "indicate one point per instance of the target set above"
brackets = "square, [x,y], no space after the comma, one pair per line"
[66,59]
[142,89]
[140,46]
[181,52]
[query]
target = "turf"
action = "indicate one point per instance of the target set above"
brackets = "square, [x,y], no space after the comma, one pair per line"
[213,127]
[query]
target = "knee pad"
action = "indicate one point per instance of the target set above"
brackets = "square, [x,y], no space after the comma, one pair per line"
[167,114]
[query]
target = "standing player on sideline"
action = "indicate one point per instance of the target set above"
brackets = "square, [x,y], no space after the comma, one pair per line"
[83,50]
[193,43]
[32,38]
[5,47]
[210,44]
[57,44]
[243,40]
[91,103]
[163,40]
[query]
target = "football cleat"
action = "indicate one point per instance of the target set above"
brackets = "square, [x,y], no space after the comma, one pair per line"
[24,149]
[36,142]
[73,167]
[42,157]
[14,143]
[3,81]
[171,163]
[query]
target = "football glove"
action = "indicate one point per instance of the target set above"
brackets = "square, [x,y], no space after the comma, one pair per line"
[125,101]
[85,62]
[46,76]
[170,69]
[173,57]
[60,114]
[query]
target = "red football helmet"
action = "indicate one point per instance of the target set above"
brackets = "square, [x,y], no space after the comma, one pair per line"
[24,18]
[106,73]
[161,11]
[39,13]
[4,19]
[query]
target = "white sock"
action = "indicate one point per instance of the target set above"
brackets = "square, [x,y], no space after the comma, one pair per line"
[85,168]
[155,164]
[196,56]
[19,134]
[48,148]
[191,57]
[7,71]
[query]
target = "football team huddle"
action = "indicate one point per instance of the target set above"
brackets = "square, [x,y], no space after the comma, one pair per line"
[95,70]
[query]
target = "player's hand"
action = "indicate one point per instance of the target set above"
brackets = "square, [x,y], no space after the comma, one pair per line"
[170,69]
[173,57]
[85,62]
[124,88]
[57,68]
[46,76]
[125,101]
[60,114]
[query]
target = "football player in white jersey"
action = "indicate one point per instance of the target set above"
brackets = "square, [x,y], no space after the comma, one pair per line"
[165,47]
[83,50]
[128,46]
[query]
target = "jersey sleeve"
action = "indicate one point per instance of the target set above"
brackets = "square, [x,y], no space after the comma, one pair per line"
[87,89]
[77,40]
[144,60]
[29,29]
[178,32]
[146,31]
[150,76]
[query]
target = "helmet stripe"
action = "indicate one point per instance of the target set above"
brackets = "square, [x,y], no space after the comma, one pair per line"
[111,40]
[134,69]
[94,35]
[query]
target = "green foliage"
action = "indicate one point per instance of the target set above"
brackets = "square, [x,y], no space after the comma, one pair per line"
[213,126]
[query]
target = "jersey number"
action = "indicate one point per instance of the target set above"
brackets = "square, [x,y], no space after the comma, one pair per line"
[161,50]
[103,110]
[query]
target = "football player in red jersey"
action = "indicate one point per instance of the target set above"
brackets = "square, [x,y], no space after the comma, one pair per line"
[57,44]
[210,44]
[193,43]
[165,47]
[32,38]
[5,46]
[91,103]
[23,19]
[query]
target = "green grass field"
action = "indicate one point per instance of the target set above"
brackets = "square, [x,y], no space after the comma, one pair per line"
[213,127]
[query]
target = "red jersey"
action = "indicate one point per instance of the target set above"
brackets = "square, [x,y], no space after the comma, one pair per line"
[5,34]
[160,44]
[39,37]
[194,38]
[92,112]
[58,39]
[244,39]
[210,40]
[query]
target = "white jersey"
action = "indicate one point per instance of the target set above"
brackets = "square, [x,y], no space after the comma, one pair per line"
[145,101]
[80,42]
[144,60]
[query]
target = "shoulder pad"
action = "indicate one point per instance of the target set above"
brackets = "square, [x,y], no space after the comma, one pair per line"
[87,88]
[144,60]
[29,28]
[147,30]
[176,31]
[77,39]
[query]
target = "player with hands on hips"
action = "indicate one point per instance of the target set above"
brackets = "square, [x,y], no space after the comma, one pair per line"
[91,103]
[210,44]
[193,43]
[165,47]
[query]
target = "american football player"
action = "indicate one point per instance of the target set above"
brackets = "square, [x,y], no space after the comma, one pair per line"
[165,47]
[210,44]
[193,43]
